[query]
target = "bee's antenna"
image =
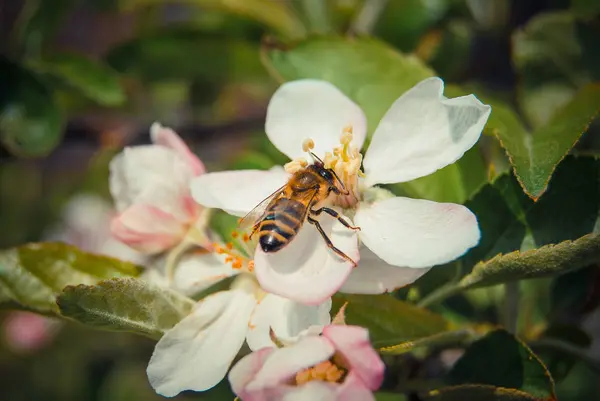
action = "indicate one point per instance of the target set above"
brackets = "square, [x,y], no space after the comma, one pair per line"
[316,158]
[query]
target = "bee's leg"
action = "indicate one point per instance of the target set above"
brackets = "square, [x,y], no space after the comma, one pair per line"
[328,241]
[335,214]
[254,229]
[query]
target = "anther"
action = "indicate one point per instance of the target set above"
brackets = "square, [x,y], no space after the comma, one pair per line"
[251,266]
[229,246]
[237,264]
[308,144]
[234,234]
[229,259]
[219,249]
[346,137]
[246,238]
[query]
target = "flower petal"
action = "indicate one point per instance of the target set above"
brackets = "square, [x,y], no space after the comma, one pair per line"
[147,229]
[152,175]
[354,345]
[374,276]
[284,363]
[422,132]
[237,192]
[196,353]
[168,138]
[314,391]
[198,271]
[307,270]
[287,318]
[353,389]
[244,370]
[314,109]
[417,233]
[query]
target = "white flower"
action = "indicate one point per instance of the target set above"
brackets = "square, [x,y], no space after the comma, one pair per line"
[197,352]
[400,238]
[150,187]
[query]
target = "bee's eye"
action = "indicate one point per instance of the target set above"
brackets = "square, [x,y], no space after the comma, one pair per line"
[327,175]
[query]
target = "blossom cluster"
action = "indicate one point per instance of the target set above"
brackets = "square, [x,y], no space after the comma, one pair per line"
[278,303]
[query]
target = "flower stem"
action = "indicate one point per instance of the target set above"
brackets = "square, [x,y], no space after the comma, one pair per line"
[368,16]
[440,294]
[512,296]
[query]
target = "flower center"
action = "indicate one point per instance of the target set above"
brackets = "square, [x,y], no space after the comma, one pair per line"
[239,260]
[325,371]
[345,160]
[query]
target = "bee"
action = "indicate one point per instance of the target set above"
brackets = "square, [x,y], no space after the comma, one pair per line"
[279,217]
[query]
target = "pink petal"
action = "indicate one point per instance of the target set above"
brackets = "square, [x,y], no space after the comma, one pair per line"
[353,389]
[147,228]
[353,343]
[244,371]
[282,365]
[417,233]
[168,138]
[375,276]
[312,109]
[306,270]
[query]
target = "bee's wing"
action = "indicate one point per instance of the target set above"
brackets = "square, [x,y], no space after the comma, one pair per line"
[258,212]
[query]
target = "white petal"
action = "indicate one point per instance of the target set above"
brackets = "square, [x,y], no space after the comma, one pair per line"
[374,276]
[198,271]
[237,192]
[197,352]
[417,233]
[314,391]
[287,319]
[422,132]
[312,109]
[284,363]
[306,270]
[151,175]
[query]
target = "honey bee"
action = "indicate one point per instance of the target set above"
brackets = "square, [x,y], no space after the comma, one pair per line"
[279,217]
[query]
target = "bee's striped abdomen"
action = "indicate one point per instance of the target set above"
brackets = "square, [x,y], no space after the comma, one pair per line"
[281,224]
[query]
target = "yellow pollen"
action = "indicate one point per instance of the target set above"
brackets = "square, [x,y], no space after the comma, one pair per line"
[308,144]
[347,136]
[324,371]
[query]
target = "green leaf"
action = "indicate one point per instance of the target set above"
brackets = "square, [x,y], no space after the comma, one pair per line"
[33,274]
[390,321]
[534,157]
[561,347]
[277,15]
[547,49]
[370,72]
[381,396]
[31,123]
[93,79]
[125,305]
[499,359]
[546,261]
[454,183]
[446,338]
[178,53]
[586,9]
[38,22]
[478,393]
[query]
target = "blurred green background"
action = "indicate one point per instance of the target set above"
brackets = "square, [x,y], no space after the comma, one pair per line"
[80,79]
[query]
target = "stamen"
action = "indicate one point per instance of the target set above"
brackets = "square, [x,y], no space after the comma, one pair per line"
[229,246]
[308,144]
[246,237]
[234,234]
[324,371]
[251,266]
